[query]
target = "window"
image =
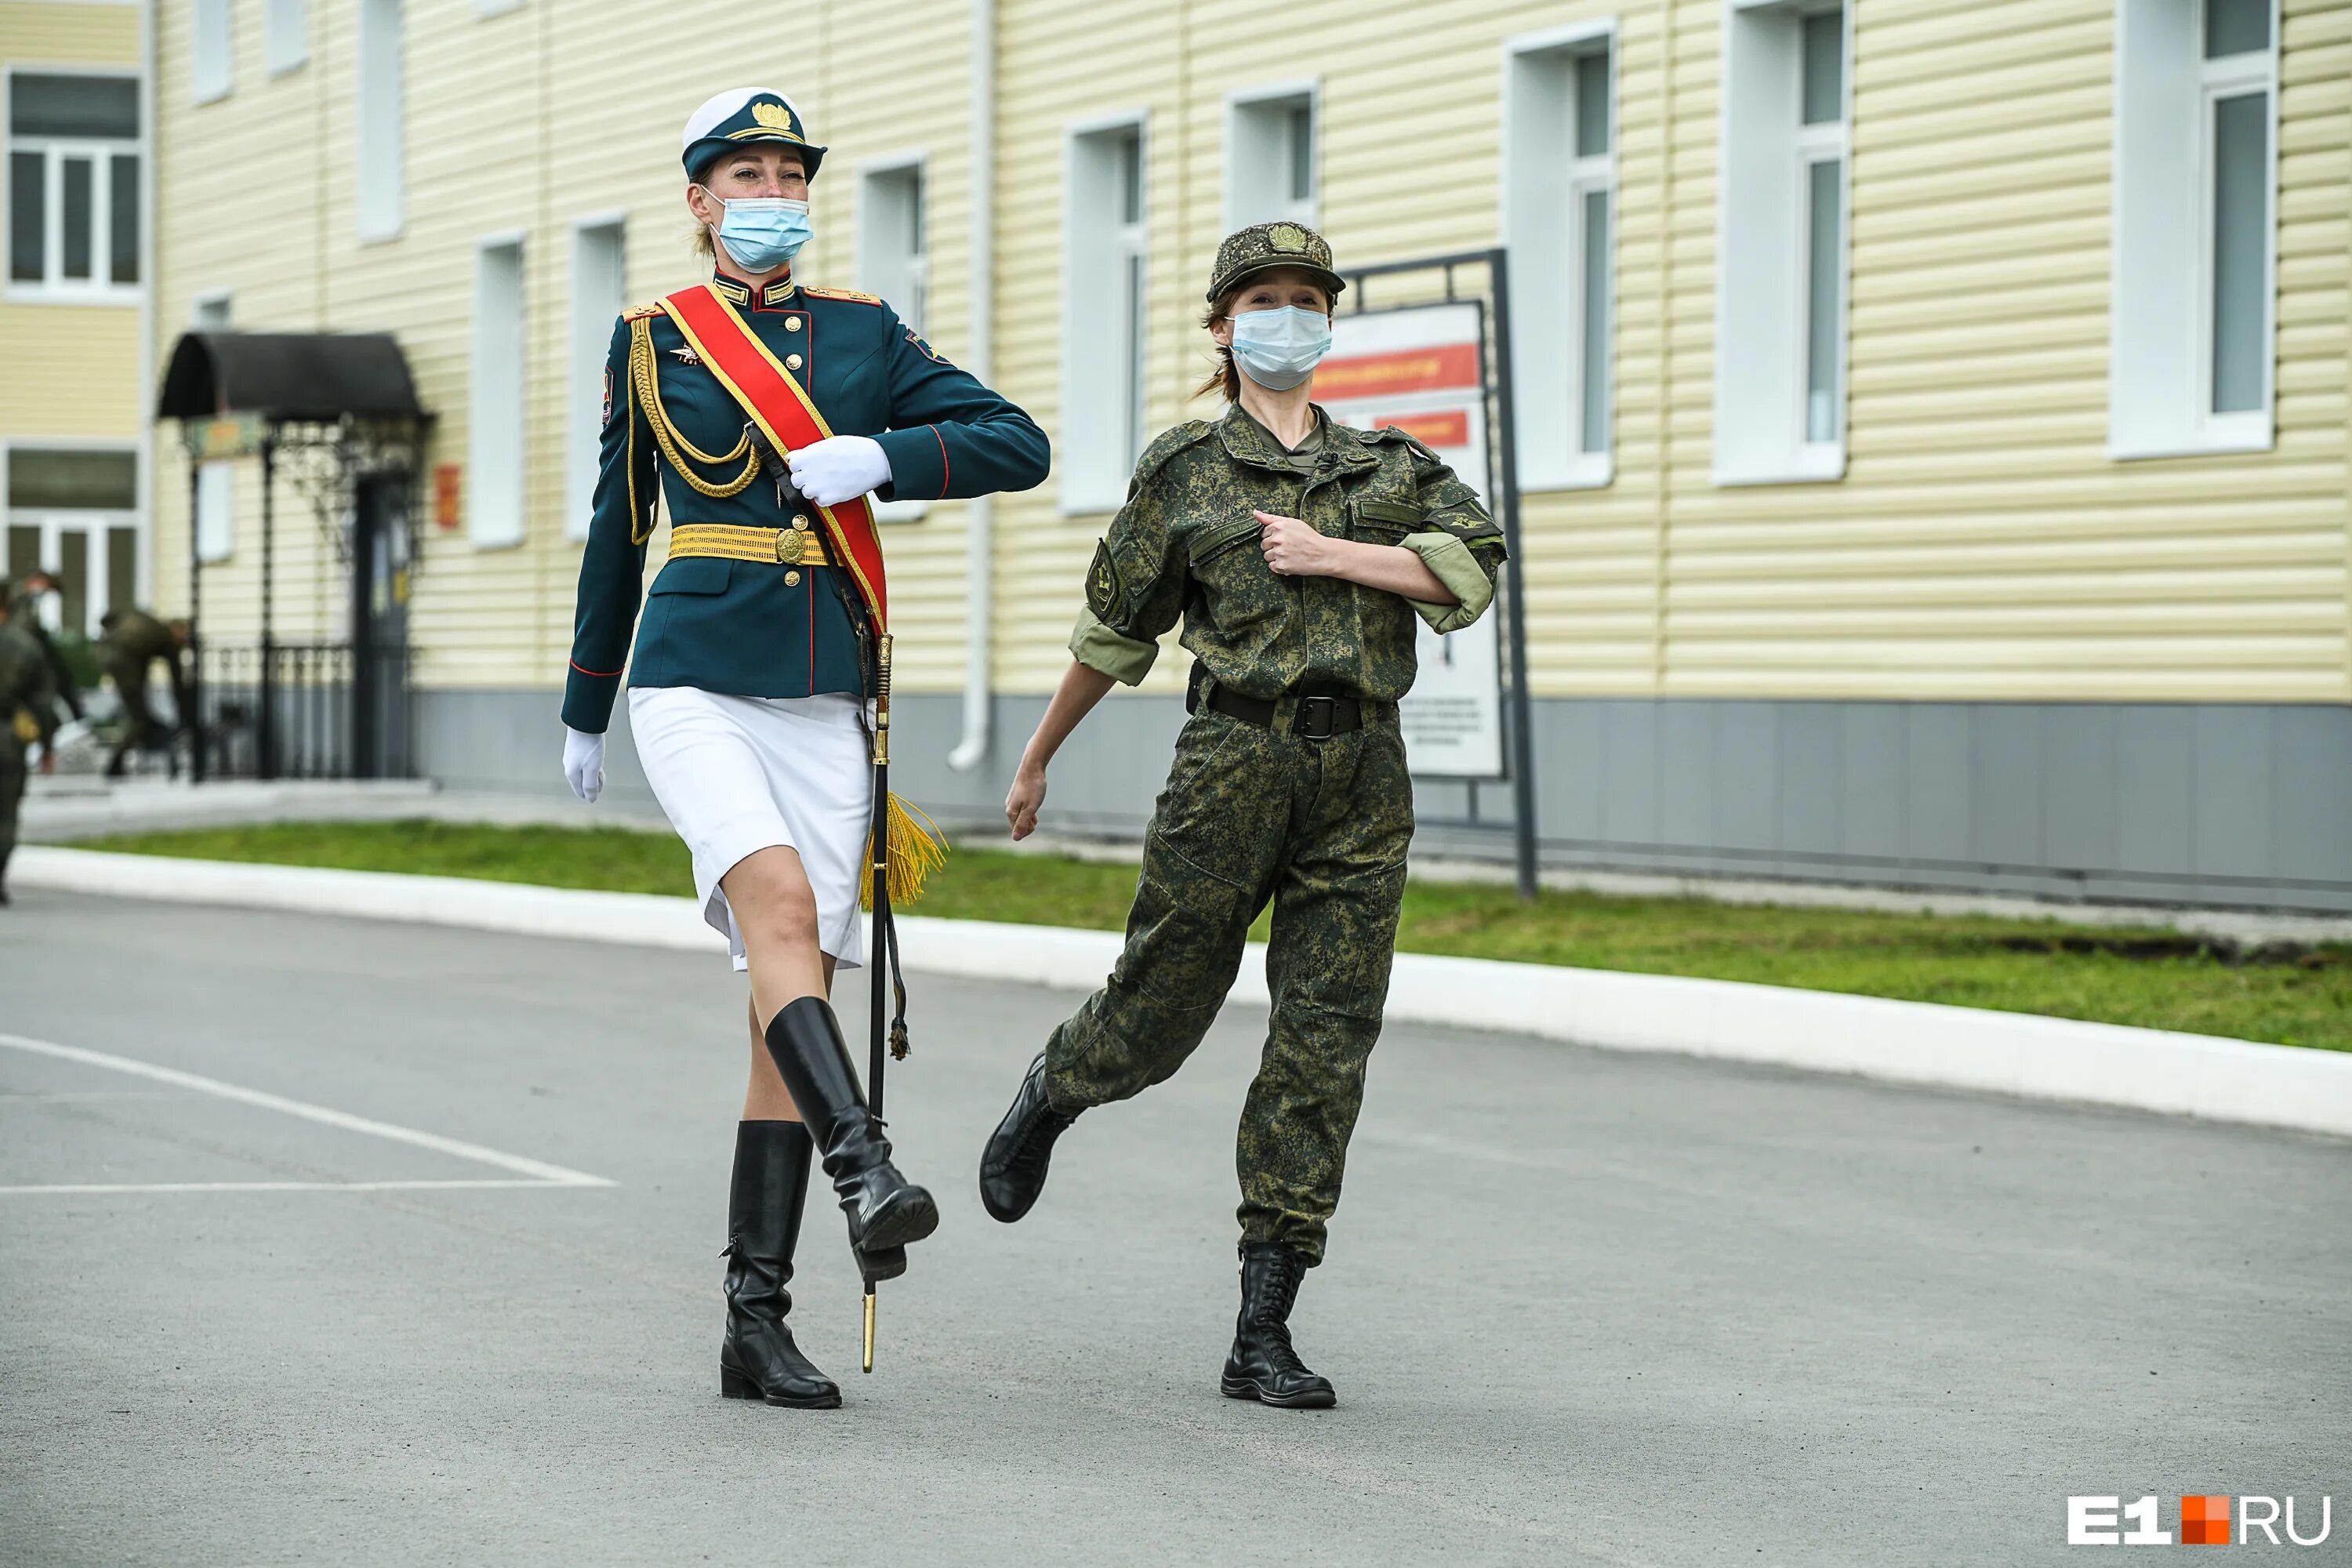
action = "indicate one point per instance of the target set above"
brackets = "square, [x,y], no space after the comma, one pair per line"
[495,7]
[1560,195]
[494,511]
[73,186]
[893,261]
[1106,317]
[289,35]
[1781,243]
[1270,156]
[215,482]
[381,196]
[600,293]
[890,243]
[2193,322]
[75,510]
[212,49]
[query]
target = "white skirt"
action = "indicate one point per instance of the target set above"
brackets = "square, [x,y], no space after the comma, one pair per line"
[737,775]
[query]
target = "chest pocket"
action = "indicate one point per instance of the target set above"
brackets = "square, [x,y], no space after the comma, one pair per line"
[1376,521]
[1232,583]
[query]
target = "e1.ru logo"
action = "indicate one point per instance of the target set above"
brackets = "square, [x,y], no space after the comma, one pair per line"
[2204,1521]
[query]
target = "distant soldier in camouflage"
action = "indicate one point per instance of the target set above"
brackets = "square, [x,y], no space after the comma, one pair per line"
[37,588]
[1297,554]
[132,642]
[27,713]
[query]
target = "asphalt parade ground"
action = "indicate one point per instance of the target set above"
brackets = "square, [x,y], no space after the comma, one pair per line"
[335,1241]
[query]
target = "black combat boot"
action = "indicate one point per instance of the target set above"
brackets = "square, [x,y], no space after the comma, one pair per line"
[886,1210]
[1263,1366]
[758,1359]
[1012,1166]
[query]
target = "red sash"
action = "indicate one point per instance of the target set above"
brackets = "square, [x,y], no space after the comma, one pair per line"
[734,353]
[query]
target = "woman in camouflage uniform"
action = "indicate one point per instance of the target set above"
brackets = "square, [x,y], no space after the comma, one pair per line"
[1297,554]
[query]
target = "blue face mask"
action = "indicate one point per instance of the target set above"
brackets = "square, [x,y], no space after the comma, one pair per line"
[762,232]
[1279,349]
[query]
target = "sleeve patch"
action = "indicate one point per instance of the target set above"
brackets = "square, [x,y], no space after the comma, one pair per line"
[923,348]
[606,417]
[1105,592]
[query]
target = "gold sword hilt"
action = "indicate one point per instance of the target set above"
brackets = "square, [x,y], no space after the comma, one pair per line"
[869,1329]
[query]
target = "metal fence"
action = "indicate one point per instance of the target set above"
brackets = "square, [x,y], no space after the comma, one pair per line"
[302,711]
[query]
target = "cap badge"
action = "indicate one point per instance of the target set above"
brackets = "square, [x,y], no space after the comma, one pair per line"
[774,116]
[1286,237]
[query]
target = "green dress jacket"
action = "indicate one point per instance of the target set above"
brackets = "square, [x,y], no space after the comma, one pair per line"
[747,627]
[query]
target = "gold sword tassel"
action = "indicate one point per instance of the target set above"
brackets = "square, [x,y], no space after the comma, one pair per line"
[869,1328]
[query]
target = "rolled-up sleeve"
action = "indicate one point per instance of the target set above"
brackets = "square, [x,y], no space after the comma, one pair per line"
[1451,561]
[1124,658]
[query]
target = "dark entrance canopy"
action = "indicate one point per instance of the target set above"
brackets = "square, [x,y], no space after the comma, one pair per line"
[343,408]
[293,377]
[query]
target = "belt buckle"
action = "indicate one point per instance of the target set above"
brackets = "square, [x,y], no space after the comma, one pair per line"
[791,545]
[1318,717]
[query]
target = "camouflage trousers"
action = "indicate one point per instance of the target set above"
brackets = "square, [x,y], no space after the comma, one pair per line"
[1321,829]
[12,794]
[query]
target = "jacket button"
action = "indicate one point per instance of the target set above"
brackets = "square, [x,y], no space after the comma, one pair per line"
[791,361]
[791,579]
[801,520]
[792,323]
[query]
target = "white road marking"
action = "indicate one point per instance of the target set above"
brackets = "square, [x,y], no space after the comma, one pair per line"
[540,1173]
[292,1186]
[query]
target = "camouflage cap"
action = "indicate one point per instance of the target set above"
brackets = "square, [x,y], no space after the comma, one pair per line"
[1263,247]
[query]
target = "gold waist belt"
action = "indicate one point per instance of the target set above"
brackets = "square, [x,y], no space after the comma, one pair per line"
[729,542]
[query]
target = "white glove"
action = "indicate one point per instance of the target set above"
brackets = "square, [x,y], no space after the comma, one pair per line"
[583,763]
[832,470]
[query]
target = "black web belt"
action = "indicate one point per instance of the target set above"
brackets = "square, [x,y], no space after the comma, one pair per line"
[1315,715]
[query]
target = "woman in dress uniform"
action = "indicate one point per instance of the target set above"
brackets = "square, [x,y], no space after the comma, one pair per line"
[757,653]
[1299,553]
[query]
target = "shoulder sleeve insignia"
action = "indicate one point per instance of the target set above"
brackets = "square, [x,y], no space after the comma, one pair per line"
[849,294]
[1104,590]
[925,349]
[606,418]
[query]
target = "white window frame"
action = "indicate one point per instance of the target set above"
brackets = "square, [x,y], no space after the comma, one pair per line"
[1251,155]
[97,521]
[288,30]
[213,526]
[380,122]
[498,480]
[1762,237]
[56,287]
[1105,394]
[212,49]
[896,268]
[2160,336]
[1543,201]
[594,309]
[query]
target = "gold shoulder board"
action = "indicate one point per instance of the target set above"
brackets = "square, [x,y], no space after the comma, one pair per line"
[849,294]
[639,313]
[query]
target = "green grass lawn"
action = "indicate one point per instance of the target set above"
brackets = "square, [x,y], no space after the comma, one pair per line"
[2147,977]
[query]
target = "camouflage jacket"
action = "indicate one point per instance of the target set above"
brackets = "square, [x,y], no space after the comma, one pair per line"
[1185,544]
[27,698]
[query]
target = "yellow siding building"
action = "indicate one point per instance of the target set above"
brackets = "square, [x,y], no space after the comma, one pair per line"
[73,329]
[1932,414]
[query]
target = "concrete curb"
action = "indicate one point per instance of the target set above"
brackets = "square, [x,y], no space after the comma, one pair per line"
[1903,1042]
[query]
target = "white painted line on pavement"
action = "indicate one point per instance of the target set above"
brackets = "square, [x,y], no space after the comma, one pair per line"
[484,1184]
[1925,1043]
[540,1173]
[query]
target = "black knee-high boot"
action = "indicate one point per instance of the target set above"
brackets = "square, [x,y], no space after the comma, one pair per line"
[758,1359]
[886,1210]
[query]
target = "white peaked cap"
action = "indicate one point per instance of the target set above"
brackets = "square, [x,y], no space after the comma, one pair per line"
[723,106]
